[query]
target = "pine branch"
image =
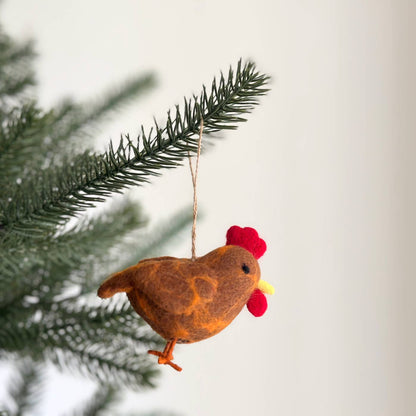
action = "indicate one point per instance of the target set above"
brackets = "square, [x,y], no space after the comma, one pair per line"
[109,323]
[16,73]
[16,84]
[119,366]
[92,113]
[21,135]
[115,361]
[78,120]
[106,323]
[91,178]
[31,139]
[102,401]
[86,242]
[12,54]
[25,388]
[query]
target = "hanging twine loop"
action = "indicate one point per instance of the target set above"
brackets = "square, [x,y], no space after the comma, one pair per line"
[194,174]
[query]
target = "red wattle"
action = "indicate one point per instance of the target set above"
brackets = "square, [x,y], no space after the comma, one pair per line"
[257,304]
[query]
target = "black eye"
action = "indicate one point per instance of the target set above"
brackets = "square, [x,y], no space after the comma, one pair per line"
[245,268]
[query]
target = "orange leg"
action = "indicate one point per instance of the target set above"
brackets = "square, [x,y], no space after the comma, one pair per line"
[166,356]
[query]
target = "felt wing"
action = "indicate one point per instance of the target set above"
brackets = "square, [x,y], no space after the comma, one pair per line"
[175,285]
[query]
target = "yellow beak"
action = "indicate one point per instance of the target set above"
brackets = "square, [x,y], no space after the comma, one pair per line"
[265,287]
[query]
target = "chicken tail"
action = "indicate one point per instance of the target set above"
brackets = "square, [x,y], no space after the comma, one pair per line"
[116,283]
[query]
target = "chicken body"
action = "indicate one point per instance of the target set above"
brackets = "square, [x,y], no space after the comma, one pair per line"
[187,300]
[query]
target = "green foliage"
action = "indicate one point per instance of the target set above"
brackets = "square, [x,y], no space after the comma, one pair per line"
[100,403]
[31,138]
[87,241]
[16,72]
[24,388]
[50,267]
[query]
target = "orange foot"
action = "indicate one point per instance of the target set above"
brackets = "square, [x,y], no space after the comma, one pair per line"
[166,356]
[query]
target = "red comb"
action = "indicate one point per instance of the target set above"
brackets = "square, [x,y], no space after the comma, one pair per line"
[247,238]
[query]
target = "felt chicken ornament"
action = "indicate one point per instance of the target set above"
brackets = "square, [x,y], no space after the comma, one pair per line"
[188,300]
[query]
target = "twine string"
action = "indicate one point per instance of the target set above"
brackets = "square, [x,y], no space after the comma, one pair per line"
[194,174]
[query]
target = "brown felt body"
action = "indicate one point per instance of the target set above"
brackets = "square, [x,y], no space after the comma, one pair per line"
[188,300]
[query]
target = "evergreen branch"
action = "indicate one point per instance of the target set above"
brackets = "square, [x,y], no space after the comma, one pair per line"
[26,142]
[112,100]
[12,53]
[25,388]
[100,402]
[86,242]
[79,119]
[106,323]
[118,366]
[21,134]
[56,134]
[16,71]
[70,189]
[16,84]
[116,362]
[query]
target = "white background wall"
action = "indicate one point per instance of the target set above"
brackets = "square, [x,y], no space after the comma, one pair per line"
[324,169]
